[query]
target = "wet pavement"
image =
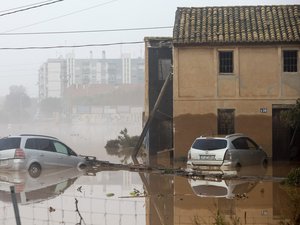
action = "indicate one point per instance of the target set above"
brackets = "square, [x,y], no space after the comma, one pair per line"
[252,196]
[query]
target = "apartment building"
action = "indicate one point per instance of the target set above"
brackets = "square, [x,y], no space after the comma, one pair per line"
[56,75]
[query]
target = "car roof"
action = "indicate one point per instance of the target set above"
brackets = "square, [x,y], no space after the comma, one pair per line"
[32,135]
[225,137]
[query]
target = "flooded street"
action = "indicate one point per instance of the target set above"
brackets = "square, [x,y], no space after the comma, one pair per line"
[122,197]
[150,112]
[52,199]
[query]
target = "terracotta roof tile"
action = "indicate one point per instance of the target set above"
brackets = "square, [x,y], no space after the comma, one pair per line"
[237,24]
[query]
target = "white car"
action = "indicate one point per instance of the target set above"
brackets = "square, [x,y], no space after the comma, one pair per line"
[231,151]
[37,152]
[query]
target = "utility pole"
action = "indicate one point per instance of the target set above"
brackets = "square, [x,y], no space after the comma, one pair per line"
[15,204]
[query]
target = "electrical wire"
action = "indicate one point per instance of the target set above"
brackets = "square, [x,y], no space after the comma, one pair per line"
[31,7]
[20,7]
[85,31]
[65,15]
[70,46]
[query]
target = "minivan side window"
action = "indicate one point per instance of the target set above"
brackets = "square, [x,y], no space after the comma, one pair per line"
[60,148]
[39,144]
[252,144]
[244,143]
[9,143]
[240,143]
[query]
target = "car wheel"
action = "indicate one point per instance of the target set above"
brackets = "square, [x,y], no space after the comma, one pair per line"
[238,167]
[35,170]
[82,166]
[265,163]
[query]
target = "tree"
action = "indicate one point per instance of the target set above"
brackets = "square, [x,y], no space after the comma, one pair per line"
[16,103]
[291,117]
[122,146]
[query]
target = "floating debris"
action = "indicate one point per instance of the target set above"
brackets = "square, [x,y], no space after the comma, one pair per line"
[110,194]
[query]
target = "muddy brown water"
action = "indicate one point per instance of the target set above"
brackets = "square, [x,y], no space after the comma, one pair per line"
[124,197]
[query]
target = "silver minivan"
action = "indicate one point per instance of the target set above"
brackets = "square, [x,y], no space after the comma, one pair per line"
[34,152]
[231,151]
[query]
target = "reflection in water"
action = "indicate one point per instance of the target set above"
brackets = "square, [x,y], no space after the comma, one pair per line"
[30,190]
[251,199]
[221,188]
[287,204]
[53,199]
[70,197]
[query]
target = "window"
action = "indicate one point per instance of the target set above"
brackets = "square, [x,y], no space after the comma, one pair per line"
[9,143]
[226,121]
[290,61]
[60,148]
[210,144]
[244,143]
[39,144]
[226,61]
[240,143]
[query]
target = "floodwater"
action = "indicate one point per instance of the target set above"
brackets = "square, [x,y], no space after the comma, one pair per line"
[122,197]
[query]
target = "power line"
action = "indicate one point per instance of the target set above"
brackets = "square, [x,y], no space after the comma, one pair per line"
[71,46]
[85,31]
[20,7]
[31,7]
[58,17]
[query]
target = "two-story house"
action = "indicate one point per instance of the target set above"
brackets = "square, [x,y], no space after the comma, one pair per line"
[235,69]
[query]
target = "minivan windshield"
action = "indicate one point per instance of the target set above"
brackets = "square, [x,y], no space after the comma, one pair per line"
[209,144]
[9,143]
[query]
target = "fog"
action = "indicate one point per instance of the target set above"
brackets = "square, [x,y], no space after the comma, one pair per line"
[21,66]
[84,138]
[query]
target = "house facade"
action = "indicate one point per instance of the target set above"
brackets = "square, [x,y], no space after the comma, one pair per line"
[235,69]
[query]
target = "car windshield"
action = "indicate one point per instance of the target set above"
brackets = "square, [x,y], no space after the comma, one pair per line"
[9,143]
[209,144]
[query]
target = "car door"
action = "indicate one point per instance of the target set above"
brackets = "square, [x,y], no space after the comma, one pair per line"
[242,153]
[64,155]
[256,154]
[41,150]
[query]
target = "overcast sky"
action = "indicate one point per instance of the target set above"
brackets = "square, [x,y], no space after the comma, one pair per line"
[20,67]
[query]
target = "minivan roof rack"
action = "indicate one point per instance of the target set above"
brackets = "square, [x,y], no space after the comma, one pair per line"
[38,135]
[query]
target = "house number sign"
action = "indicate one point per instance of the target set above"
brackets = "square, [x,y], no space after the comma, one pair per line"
[263,110]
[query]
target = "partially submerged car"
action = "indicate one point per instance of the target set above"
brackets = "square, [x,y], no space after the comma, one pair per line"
[37,152]
[231,151]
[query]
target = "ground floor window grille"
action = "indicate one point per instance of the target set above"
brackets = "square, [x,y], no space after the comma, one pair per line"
[226,121]
[290,61]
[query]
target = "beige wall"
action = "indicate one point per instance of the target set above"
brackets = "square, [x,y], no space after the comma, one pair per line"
[257,82]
